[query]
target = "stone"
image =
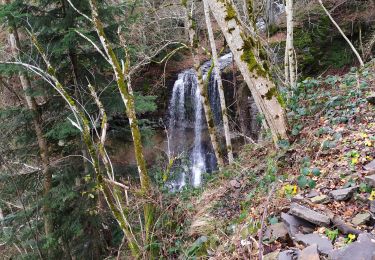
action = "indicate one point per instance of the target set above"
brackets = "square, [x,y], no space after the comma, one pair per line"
[361,219]
[321,199]
[372,206]
[276,231]
[312,193]
[342,194]
[289,255]
[296,225]
[371,99]
[370,166]
[370,180]
[235,184]
[324,244]
[363,248]
[271,256]
[309,253]
[297,198]
[309,215]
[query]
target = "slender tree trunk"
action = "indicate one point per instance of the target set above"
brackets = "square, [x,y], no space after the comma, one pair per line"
[32,106]
[124,86]
[291,79]
[250,57]
[204,94]
[219,82]
[343,34]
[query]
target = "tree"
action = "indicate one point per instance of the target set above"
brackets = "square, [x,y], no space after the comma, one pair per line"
[217,75]
[202,85]
[14,41]
[290,64]
[250,58]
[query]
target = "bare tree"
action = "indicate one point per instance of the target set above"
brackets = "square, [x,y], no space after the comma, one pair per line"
[202,85]
[217,75]
[290,62]
[15,45]
[249,56]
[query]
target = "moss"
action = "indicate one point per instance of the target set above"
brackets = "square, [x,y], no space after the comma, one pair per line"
[184,3]
[231,12]
[249,57]
[271,93]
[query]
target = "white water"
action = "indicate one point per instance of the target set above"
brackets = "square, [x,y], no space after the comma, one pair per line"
[186,114]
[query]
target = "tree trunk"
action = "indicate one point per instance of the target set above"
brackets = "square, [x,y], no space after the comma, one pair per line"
[123,84]
[219,82]
[247,51]
[32,106]
[291,75]
[204,94]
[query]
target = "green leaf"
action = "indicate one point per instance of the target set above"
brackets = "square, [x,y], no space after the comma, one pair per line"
[302,181]
[305,171]
[316,171]
[311,184]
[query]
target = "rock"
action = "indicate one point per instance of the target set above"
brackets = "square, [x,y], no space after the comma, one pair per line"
[342,194]
[370,166]
[372,206]
[324,244]
[235,184]
[309,215]
[321,199]
[371,99]
[296,225]
[309,253]
[361,219]
[272,255]
[312,193]
[289,255]
[363,248]
[370,180]
[276,231]
[297,198]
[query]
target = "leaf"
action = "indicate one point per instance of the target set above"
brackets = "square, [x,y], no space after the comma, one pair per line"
[302,181]
[311,184]
[273,220]
[305,171]
[316,171]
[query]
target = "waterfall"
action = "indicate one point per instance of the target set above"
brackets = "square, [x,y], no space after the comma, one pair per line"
[187,121]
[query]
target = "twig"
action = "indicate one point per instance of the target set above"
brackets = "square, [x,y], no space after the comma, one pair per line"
[271,192]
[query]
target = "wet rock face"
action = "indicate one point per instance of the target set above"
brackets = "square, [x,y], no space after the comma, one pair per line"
[309,215]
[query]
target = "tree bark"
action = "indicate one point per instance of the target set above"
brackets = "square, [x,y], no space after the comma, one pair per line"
[33,107]
[219,82]
[204,94]
[291,74]
[123,84]
[250,57]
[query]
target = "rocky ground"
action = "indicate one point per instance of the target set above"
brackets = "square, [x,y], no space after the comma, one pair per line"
[312,199]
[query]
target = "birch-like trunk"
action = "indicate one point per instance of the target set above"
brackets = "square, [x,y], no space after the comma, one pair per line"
[123,84]
[291,74]
[219,82]
[204,94]
[37,124]
[250,58]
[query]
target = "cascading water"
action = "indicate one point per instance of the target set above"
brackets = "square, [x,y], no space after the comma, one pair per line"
[187,125]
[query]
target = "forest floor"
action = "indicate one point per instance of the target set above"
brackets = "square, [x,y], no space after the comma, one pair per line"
[261,203]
